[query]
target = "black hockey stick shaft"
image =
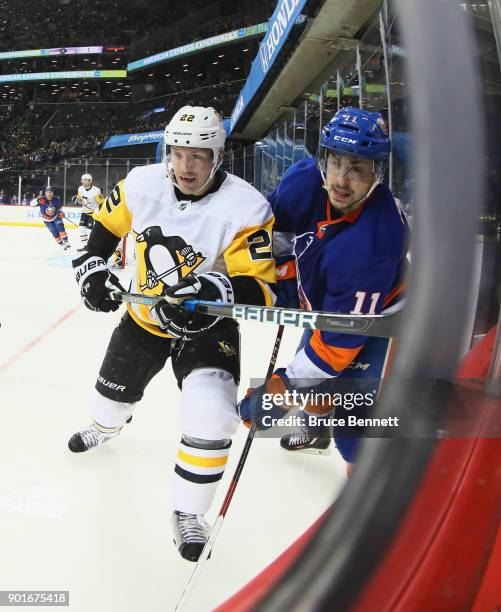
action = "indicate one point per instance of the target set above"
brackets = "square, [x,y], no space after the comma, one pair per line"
[229,494]
[383,325]
[70,221]
[252,431]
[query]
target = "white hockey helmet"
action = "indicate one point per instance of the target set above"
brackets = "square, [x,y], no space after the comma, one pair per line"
[86,180]
[199,127]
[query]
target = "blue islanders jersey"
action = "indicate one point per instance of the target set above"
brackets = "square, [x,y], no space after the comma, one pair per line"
[49,210]
[350,264]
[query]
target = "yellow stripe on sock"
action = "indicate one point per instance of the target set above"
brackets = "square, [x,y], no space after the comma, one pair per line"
[202,461]
[103,429]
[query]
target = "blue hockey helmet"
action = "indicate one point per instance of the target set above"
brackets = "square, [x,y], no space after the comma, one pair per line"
[357,132]
[49,188]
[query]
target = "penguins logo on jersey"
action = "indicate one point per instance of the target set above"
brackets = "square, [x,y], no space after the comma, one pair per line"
[227,349]
[167,259]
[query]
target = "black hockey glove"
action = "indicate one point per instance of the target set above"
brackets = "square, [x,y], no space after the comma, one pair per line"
[96,282]
[180,323]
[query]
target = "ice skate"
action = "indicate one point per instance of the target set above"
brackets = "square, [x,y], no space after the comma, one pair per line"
[190,534]
[307,441]
[91,436]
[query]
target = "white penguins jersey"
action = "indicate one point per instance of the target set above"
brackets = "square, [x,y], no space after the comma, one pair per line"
[91,199]
[227,231]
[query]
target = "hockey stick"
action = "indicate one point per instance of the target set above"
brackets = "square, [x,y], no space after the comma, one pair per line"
[70,221]
[383,326]
[181,604]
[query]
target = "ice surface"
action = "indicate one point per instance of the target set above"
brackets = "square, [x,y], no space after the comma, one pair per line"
[98,524]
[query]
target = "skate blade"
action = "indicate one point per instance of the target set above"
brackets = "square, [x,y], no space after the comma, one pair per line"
[308,451]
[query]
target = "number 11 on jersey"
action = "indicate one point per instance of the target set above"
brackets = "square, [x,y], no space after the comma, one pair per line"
[360,297]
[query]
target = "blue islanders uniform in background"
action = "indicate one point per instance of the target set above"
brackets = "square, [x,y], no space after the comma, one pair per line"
[51,213]
[350,264]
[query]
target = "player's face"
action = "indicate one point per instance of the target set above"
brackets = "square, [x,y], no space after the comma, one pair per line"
[191,167]
[87,183]
[348,181]
[49,195]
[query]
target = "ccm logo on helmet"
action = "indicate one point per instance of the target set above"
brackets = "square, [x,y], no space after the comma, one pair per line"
[344,139]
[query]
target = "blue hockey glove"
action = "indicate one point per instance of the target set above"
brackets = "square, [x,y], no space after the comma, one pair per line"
[96,282]
[268,400]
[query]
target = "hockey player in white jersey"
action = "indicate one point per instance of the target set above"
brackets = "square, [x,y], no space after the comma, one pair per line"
[90,198]
[198,231]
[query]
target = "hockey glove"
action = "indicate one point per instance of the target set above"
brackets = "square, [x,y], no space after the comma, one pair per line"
[96,282]
[269,400]
[180,323]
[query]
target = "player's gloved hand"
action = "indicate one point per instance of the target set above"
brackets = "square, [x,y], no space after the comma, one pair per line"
[176,320]
[268,400]
[61,215]
[96,282]
[76,199]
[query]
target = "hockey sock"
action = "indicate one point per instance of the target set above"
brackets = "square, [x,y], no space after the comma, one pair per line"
[199,467]
[108,413]
[84,234]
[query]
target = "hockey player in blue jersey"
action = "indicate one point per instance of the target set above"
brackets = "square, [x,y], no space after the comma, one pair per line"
[52,215]
[340,241]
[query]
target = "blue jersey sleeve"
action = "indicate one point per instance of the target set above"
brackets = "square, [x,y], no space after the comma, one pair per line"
[294,204]
[294,200]
[365,290]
